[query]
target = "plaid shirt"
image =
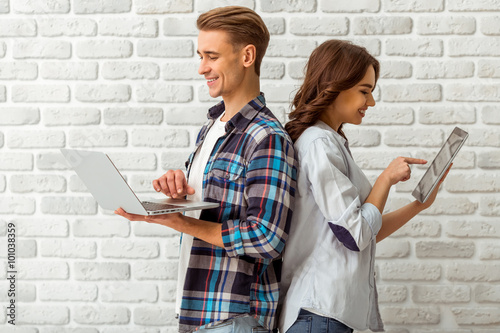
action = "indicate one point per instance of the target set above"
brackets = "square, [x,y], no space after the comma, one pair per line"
[251,172]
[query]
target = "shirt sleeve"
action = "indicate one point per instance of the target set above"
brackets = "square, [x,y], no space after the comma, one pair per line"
[353,222]
[269,192]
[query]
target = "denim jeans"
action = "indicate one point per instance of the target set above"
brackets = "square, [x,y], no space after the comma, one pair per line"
[238,325]
[308,322]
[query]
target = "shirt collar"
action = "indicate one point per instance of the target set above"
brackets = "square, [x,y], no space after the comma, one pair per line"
[244,116]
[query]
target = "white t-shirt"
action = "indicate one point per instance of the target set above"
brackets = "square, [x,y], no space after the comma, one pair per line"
[196,181]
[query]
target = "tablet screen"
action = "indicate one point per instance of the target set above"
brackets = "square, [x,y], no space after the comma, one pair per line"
[439,165]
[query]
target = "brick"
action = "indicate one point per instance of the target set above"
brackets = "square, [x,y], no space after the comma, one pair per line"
[129,293]
[413,137]
[18,70]
[490,116]
[451,206]
[396,69]
[489,206]
[17,205]
[41,49]
[377,160]
[130,70]
[313,26]
[1,139]
[17,27]
[413,5]
[439,25]
[490,26]
[487,293]
[45,7]
[489,160]
[4,6]
[51,161]
[411,316]
[2,183]
[41,93]
[168,291]
[25,248]
[471,272]
[477,316]
[143,183]
[98,138]
[354,6]
[410,47]
[459,183]
[37,183]
[19,116]
[42,315]
[174,159]
[372,45]
[164,93]
[125,27]
[442,249]
[100,271]
[68,249]
[362,137]
[101,7]
[473,229]
[42,227]
[69,70]
[186,115]
[467,5]
[391,271]
[176,26]
[101,315]
[3,49]
[474,46]
[444,69]
[165,48]
[290,48]
[71,116]
[488,68]
[3,94]
[447,115]
[386,25]
[74,27]
[163,270]
[107,93]
[462,92]
[133,116]
[393,249]
[184,70]
[163,7]
[275,25]
[430,92]
[136,330]
[130,250]
[42,270]
[109,227]
[167,138]
[279,93]
[65,292]
[155,315]
[99,49]
[441,294]
[489,251]
[486,137]
[392,294]
[17,329]
[272,70]
[69,205]
[25,293]
[387,115]
[36,139]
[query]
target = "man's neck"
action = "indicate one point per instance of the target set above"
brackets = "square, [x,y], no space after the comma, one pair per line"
[234,103]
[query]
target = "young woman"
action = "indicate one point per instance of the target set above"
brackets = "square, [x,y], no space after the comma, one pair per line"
[328,268]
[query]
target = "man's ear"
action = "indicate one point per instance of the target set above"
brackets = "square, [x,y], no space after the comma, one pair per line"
[249,53]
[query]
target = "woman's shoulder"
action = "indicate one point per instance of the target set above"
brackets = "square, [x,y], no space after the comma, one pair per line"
[318,134]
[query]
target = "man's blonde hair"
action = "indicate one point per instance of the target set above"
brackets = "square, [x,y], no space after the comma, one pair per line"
[243,25]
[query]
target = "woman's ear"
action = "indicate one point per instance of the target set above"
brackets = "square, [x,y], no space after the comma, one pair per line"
[249,53]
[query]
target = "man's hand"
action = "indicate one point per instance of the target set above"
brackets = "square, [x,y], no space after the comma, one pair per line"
[173,184]
[163,219]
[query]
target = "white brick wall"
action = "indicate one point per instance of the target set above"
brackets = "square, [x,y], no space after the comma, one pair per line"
[121,76]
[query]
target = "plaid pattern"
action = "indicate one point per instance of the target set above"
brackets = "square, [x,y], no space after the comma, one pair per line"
[251,173]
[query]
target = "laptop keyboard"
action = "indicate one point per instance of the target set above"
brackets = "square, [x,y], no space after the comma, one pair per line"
[158,206]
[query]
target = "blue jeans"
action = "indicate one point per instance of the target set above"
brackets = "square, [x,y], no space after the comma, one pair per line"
[308,322]
[238,325]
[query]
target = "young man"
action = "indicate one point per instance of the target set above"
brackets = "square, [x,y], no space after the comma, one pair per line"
[229,266]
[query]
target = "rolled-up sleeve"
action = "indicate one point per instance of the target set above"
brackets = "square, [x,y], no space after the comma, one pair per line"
[354,223]
[269,194]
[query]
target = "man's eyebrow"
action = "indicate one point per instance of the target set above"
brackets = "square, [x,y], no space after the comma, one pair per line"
[208,52]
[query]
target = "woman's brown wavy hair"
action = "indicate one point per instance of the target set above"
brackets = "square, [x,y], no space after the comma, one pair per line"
[333,66]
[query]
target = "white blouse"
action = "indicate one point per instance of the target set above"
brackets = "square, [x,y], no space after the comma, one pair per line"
[328,265]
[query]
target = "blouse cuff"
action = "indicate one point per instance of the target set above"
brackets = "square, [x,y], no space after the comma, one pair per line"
[372,217]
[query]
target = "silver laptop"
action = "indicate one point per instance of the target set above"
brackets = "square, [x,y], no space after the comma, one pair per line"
[111,191]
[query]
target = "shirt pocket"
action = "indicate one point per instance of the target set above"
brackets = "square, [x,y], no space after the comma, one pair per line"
[228,171]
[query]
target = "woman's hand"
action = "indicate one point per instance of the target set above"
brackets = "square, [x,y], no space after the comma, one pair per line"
[434,193]
[399,169]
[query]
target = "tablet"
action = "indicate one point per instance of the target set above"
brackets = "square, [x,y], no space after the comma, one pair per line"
[440,164]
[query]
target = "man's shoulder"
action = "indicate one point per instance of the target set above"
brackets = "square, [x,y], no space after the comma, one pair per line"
[266,124]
